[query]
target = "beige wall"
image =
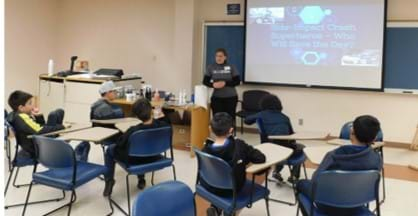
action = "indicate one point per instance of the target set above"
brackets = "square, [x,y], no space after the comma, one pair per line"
[30,27]
[327,110]
[152,38]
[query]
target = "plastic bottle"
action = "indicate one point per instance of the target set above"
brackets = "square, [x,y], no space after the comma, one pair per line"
[50,67]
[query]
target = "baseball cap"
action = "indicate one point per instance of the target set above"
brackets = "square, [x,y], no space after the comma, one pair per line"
[107,87]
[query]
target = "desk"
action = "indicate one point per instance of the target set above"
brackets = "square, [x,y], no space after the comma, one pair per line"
[414,167]
[115,121]
[94,134]
[317,153]
[124,126]
[73,128]
[306,135]
[274,154]
[194,134]
[348,142]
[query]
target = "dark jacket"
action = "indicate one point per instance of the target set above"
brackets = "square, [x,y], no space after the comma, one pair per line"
[350,158]
[274,122]
[238,155]
[121,149]
[25,125]
[102,109]
[222,72]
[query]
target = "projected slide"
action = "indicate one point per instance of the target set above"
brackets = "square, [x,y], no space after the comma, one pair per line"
[328,43]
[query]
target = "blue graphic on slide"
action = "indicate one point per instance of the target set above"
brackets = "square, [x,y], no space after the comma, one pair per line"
[313,15]
[311,58]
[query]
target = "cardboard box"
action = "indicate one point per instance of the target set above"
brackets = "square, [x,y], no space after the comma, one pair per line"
[181,136]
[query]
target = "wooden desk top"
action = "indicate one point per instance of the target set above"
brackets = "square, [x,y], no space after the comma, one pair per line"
[94,134]
[414,167]
[115,121]
[274,154]
[302,136]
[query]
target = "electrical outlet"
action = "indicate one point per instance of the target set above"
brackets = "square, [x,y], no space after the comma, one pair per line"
[300,121]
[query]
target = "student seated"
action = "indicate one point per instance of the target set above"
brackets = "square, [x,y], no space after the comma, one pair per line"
[26,121]
[358,156]
[235,152]
[142,109]
[275,122]
[102,108]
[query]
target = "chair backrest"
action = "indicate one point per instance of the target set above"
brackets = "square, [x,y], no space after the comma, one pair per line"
[214,171]
[169,198]
[54,153]
[345,132]
[251,100]
[150,142]
[346,189]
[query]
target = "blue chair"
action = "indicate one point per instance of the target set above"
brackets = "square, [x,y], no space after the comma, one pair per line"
[293,161]
[345,134]
[177,199]
[358,190]
[217,173]
[63,172]
[21,159]
[146,143]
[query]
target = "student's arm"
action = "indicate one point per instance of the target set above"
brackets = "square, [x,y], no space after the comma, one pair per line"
[291,131]
[29,126]
[254,155]
[107,112]
[251,119]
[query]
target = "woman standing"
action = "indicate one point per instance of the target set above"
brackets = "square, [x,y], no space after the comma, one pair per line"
[223,78]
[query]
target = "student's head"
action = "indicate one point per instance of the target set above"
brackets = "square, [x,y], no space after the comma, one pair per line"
[142,109]
[271,102]
[21,101]
[221,124]
[107,90]
[365,129]
[220,56]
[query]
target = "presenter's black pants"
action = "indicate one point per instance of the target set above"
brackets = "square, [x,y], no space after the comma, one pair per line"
[228,105]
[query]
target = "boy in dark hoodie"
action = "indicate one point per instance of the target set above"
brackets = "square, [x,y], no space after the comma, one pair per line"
[358,156]
[235,152]
[26,121]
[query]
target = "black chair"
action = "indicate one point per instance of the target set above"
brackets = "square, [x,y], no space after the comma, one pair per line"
[250,104]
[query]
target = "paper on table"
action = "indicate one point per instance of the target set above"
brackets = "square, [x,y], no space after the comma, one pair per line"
[201,96]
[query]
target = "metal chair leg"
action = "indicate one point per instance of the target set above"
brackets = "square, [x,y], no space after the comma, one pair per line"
[242,125]
[27,199]
[294,193]
[267,206]
[8,181]
[112,202]
[37,202]
[174,172]
[15,179]
[129,195]
[69,204]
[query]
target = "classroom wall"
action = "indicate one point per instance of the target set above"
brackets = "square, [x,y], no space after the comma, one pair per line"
[327,110]
[30,27]
[152,38]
